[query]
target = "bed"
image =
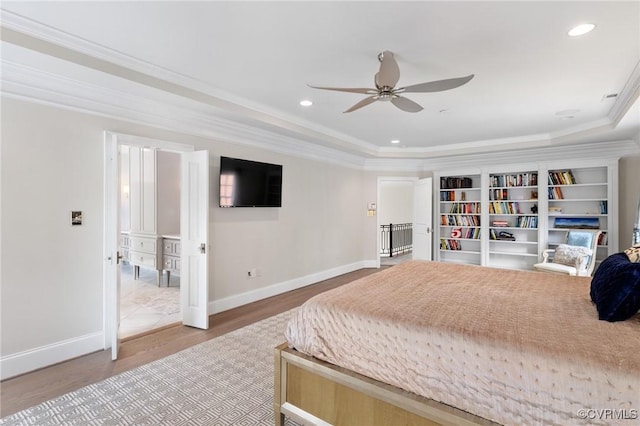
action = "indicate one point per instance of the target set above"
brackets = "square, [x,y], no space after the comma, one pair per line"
[440,343]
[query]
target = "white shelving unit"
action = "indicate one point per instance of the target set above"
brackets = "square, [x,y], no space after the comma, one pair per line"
[522,211]
[513,212]
[460,214]
[580,195]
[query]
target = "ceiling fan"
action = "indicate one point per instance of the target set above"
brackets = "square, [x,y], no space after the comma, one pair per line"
[386,80]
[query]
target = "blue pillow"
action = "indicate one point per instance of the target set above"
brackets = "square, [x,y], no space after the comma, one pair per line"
[615,288]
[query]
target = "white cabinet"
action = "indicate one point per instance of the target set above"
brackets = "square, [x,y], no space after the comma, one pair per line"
[506,218]
[143,190]
[171,255]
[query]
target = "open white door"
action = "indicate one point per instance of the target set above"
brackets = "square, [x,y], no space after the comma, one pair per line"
[194,235]
[112,243]
[422,219]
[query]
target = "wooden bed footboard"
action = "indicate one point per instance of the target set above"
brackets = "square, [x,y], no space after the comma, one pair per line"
[313,392]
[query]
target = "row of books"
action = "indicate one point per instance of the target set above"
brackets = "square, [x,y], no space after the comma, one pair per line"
[603,207]
[555,193]
[561,177]
[520,179]
[504,207]
[465,208]
[527,222]
[459,220]
[455,182]
[499,194]
[467,233]
[450,244]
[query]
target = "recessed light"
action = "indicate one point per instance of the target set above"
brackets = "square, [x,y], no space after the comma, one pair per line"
[395,141]
[306,103]
[581,29]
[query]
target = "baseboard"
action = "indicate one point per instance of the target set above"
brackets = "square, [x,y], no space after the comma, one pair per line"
[44,356]
[231,302]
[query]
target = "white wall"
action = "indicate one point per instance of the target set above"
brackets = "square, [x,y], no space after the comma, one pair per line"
[52,286]
[396,202]
[629,195]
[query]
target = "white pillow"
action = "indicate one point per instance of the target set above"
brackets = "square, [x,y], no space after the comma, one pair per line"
[568,255]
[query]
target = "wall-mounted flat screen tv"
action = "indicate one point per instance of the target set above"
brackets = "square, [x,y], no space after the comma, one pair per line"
[245,183]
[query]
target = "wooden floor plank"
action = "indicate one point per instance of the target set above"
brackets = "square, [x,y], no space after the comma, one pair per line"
[33,388]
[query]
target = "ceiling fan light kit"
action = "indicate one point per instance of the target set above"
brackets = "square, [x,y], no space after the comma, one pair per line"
[385,81]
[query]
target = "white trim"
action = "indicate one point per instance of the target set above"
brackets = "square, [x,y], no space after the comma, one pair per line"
[201,108]
[45,356]
[236,300]
[627,97]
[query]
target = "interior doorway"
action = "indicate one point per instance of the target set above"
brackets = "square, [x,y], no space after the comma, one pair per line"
[395,219]
[193,237]
[149,294]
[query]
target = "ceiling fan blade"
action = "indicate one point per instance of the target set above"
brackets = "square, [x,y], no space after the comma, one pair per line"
[347,89]
[389,73]
[437,86]
[406,104]
[362,103]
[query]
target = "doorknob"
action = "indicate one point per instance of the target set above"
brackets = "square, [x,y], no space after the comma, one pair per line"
[202,248]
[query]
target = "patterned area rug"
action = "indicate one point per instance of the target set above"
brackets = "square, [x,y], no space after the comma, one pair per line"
[224,381]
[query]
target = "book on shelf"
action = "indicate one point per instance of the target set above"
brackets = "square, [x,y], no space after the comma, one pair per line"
[500,223]
[465,208]
[603,207]
[555,193]
[561,177]
[527,222]
[511,180]
[602,239]
[555,209]
[504,207]
[450,244]
[455,182]
[459,220]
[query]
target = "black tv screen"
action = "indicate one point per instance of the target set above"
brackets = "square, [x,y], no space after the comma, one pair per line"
[245,183]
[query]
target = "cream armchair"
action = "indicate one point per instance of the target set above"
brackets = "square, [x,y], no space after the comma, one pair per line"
[577,256]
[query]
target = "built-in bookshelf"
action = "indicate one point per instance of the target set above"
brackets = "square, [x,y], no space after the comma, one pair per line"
[578,198]
[460,212]
[513,219]
[506,219]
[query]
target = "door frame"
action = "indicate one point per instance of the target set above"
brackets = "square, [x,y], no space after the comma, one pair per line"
[111,218]
[381,180]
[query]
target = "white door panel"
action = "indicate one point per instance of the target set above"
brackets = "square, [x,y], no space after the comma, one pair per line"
[194,225]
[422,219]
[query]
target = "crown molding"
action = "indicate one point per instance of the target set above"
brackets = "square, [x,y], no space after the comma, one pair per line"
[627,97]
[178,103]
[162,110]
[27,33]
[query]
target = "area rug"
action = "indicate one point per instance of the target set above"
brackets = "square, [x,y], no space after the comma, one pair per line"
[224,381]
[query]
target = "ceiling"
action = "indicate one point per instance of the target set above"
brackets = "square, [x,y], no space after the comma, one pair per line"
[533,86]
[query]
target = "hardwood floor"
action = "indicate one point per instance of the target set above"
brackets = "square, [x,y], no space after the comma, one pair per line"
[33,388]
